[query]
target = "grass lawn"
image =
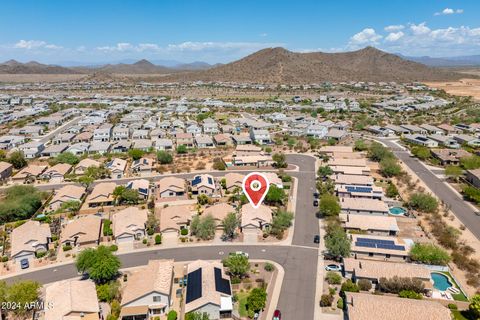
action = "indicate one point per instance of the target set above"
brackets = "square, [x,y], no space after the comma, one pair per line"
[459,296]
[459,315]
[242,303]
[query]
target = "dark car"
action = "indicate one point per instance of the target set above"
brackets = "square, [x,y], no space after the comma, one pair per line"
[315,203]
[316,195]
[24,263]
[277,315]
[316,239]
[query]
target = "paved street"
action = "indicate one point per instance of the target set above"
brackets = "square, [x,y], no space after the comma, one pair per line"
[461,209]
[297,297]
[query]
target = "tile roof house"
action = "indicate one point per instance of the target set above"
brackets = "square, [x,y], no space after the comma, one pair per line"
[31,172]
[185,139]
[170,187]
[234,180]
[208,290]
[142,165]
[83,231]
[260,136]
[203,184]
[84,164]
[117,167]
[71,300]
[223,139]
[203,141]
[101,195]
[252,218]
[54,150]
[57,172]
[141,185]
[380,225]
[175,218]
[100,147]
[163,144]
[148,292]
[65,194]
[129,224]
[32,149]
[79,148]
[241,139]
[219,211]
[379,247]
[6,170]
[363,206]
[28,239]
[364,306]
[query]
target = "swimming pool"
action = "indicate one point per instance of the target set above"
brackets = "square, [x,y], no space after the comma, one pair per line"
[440,281]
[397,211]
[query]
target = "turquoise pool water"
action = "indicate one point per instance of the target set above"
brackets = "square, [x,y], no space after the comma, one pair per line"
[440,281]
[398,211]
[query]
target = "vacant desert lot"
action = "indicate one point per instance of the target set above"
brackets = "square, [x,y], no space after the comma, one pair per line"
[462,87]
[18,78]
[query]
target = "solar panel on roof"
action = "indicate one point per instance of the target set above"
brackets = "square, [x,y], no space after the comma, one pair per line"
[365,244]
[210,181]
[196,181]
[194,285]
[221,285]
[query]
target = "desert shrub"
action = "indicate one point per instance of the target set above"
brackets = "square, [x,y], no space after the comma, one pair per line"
[409,294]
[397,284]
[349,286]
[326,300]
[364,284]
[333,277]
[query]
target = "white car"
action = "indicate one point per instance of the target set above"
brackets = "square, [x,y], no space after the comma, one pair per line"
[239,253]
[333,267]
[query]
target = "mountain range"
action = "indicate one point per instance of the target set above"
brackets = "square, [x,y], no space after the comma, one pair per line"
[271,65]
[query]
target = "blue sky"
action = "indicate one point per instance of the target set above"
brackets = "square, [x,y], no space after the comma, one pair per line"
[221,31]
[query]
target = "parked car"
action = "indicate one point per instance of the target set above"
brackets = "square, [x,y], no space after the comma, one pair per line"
[239,253]
[315,203]
[277,315]
[316,239]
[333,267]
[24,264]
[316,195]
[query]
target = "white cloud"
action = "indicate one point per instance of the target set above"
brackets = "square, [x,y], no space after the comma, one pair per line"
[364,37]
[419,29]
[263,34]
[448,11]
[394,28]
[394,36]
[34,44]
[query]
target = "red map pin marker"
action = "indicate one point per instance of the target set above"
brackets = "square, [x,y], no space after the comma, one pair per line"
[255,186]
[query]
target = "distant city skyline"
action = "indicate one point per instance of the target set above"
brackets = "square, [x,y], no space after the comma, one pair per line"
[94,32]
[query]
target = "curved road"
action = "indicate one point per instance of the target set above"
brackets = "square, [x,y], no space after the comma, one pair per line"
[297,297]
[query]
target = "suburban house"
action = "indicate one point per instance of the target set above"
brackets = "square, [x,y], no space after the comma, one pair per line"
[101,195]
[365,306]
[100,147]
[420,140]
[373,270]
[148,292]
[30,238]
[6,170]
[316,131]
[223,139]
[81,232]
[142,186]
[208,290]
[103,133]
[358,191]
[376,225]
[448,156]
[84,164]
[203,184]
[347,179]
[446,141]
[170,187]
[56,173]
[233,180]
[335,134]
[54,150]
[174,218]
[142,165]
[430,129]
[30,173]
[65,194]
[378,247]
[83,137]
[241,139]
[255,219]
[32,149]
[473,176]
[219,211]
[351,170]
[79,148]
[120,133]
[185,139]
[260,136]
[247,150]
[129,224]
[117,168]
[163,144]
[468,140]
[64,137]
[143,144]
[364,206]
[203,141]
[72,300]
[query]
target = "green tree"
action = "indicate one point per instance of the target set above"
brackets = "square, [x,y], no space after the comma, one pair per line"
[203,227]
[3,291]
[423,202]
[325,171]
[197,316]
[349,286]
[86,181]
[360,145]
[17,159]
[377,152]
[218,164]
[70,206]
[257,299]
[20,202]
[470,163]
[100,264]
[281,221]
[333,277]
[471,193]
[172,315]
[237,264]
[164,157]
[108,291]
[429,253]
[181,149]
[67,157]
[151,224]
[389,167]
[124,195]
[203,199]
[230,225]
[275,195]
[453,172]
[136,154]
[280,161]
[329,205]
[23,293]
[474,306]
[337,242]
[421,153]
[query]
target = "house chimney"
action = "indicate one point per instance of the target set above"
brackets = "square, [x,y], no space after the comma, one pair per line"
[360,264]
[348,218]
[351,301]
